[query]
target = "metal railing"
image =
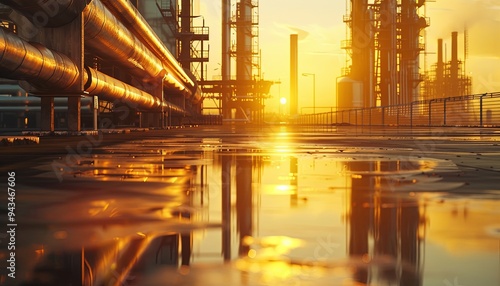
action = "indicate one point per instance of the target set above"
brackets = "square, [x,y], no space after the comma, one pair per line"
[478,110]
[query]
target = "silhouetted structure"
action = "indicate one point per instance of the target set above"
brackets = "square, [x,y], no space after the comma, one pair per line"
[447,78]
[294,74]
[384,48]
[189,41]
[105,50]
[239,97]
[384,228]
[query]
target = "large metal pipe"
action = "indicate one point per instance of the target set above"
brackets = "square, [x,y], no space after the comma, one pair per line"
[107,37]
[86,109]
[12,89]
[113,89]
[48,13]
[48,70]
[43,67]
[128,14]
[33,103]
[36,101]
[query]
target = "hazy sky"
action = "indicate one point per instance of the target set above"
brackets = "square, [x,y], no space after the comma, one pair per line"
[321,29]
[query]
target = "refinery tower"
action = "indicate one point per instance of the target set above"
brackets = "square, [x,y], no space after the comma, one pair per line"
[384,44]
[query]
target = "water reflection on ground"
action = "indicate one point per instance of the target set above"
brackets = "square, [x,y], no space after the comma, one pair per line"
[230,210]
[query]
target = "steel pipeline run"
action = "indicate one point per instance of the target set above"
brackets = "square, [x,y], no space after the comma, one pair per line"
[47,69]
[137,49]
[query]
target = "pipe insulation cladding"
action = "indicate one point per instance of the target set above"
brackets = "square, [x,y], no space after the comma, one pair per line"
[110,39]
[128,14]
[22,60]
[48,70]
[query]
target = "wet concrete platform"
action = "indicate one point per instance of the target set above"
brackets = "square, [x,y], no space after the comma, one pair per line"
[267,205]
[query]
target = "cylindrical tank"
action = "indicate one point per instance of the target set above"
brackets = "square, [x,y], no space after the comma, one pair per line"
[349,93]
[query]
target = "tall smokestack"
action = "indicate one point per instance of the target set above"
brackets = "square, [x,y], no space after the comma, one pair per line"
[388,54]
[439,70]
[294,74]
[226,57]
[185,51]
[454,47]
[454,82]
[362,68]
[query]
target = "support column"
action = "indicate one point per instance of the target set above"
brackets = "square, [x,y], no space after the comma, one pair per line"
[69,40]
[244,200]
[74,113]
[226,205]
[154,118]
[226,59]
[47,113]
[95,111]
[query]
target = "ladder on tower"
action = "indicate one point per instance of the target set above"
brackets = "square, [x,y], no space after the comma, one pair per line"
[377,79]
[169,14]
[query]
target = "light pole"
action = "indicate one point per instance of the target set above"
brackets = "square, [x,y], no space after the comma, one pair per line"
[314,89]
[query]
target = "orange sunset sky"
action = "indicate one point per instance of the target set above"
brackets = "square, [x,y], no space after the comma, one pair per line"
[321,29]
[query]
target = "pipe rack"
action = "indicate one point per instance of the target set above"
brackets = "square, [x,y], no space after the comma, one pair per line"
[45,68]
[131,44]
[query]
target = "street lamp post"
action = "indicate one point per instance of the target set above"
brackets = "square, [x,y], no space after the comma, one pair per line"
[314,89]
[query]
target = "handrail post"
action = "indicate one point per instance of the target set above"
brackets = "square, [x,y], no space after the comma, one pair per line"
[411,114]
[481,110]
[397,114]
[338,113]
[383,116]
[370,118]
[444,111]
[430,112]
[363,117]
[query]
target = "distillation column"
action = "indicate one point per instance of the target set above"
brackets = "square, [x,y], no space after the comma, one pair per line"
[454,66]
[439,89]
[226,58]
[244,55]
[411,25]
[388,52]
[362,68]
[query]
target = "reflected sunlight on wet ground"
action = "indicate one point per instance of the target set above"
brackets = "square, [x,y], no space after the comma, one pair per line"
[254,211]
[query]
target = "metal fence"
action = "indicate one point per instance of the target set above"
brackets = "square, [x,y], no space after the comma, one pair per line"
[478,110]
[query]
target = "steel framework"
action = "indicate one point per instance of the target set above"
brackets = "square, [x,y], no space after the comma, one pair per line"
[384,46]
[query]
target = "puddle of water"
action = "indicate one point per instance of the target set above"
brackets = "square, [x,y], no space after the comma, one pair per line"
[206,212]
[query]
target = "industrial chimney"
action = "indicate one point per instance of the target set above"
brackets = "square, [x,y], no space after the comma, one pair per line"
[294,74]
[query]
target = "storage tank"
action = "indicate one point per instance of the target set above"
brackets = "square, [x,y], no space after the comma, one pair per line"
[349,93]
